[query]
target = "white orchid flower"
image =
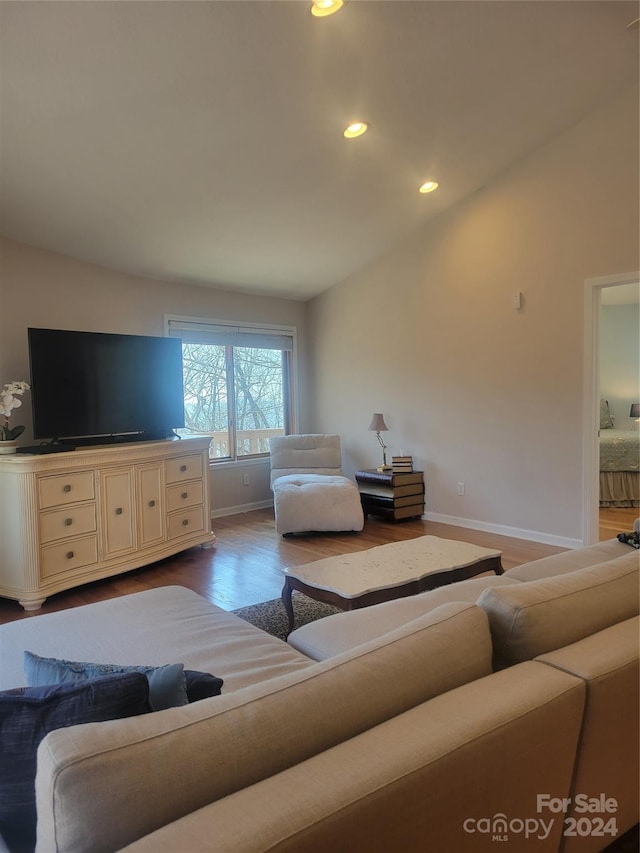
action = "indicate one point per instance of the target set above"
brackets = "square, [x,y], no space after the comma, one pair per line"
[8,402]
[17,387]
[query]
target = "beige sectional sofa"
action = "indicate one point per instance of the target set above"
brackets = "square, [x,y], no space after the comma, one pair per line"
[496,709]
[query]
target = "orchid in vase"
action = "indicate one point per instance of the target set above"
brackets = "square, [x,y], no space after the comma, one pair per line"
[9,400]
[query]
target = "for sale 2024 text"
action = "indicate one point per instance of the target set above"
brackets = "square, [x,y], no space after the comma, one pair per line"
[590,815]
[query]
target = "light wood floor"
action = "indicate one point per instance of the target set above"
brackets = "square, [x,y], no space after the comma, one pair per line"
[617,520]
[245,566]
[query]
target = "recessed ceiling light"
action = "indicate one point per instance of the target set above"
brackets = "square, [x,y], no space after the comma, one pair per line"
[322,8]
[429,186]
[356,129]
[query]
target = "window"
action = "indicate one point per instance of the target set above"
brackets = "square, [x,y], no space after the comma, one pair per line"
[237,384]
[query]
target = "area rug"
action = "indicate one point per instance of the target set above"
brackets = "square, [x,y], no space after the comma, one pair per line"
[272,617]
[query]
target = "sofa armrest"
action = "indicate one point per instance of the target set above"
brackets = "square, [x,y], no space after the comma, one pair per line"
[341,632]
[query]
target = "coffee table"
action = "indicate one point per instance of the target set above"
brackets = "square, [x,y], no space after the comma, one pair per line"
[388,571]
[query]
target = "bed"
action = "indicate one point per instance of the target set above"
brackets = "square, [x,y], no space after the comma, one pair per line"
[619,464]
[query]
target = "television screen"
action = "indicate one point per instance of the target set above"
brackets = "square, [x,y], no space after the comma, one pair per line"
[86,384]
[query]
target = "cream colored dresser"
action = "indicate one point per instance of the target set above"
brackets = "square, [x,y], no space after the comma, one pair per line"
[70,518]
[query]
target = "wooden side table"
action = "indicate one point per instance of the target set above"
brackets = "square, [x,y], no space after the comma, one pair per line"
[390,494]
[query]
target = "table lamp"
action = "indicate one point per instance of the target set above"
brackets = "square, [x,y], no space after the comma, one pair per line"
[378,425]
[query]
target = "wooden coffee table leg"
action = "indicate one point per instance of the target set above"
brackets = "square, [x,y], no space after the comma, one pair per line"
[288,604]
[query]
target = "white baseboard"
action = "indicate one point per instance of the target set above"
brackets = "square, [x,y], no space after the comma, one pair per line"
[237,510]
[504,530]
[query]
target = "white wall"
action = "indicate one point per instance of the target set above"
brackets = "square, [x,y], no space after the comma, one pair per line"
[43,289]
[427,334]
[620,361]
[478,392]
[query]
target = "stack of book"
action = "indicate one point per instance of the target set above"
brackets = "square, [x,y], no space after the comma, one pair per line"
[402,463]
[394,494]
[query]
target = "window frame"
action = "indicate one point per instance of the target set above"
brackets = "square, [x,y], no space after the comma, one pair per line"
[172,323]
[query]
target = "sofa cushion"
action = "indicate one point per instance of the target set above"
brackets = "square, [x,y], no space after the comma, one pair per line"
[421,782]
[169,623]
[413,784]
[336,634]
[247,735]
[27,714]
[309,453]
[167,686]
[569,561]
[304,502]
[529,619]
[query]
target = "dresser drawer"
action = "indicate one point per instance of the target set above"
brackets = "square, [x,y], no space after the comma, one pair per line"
[185,523]
[184,495]
[64,489]
[71,521]
[183,468]
[69,555]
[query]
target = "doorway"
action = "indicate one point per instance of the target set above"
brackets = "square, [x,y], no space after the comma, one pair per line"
[594,295]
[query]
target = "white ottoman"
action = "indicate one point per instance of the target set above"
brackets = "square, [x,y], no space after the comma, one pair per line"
[316,502]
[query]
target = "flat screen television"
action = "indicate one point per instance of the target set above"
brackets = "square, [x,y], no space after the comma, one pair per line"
[93,387]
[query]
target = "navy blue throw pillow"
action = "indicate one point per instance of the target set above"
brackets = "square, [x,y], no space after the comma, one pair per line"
[169,686]
[27,714]
[166,683]
[201,685]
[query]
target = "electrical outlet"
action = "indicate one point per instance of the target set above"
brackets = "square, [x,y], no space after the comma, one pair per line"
[245,479]
[461,488]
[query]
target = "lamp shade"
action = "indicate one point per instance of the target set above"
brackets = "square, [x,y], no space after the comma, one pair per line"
[377,423]
[635,410]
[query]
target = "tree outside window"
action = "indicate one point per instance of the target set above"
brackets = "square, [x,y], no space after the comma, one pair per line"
[236,390]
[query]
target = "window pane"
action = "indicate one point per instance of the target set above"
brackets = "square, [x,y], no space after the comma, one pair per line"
[259,376]
[236,395]
[205,396]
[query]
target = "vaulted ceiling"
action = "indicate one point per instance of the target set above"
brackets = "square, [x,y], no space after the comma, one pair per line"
[202,141]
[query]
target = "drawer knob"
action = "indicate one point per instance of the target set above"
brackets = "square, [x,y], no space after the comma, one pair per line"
[183,468]
[185,521]
[68,522]
[66,488]
[119,510]
[184,495]
[152,503]
[69,555]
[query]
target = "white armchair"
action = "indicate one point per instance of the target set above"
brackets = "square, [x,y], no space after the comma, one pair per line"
[310,492]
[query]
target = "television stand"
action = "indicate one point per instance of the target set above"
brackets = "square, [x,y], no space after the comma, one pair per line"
[68,519]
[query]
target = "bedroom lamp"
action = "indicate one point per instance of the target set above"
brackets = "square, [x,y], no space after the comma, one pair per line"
[635,411]
[378,425]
